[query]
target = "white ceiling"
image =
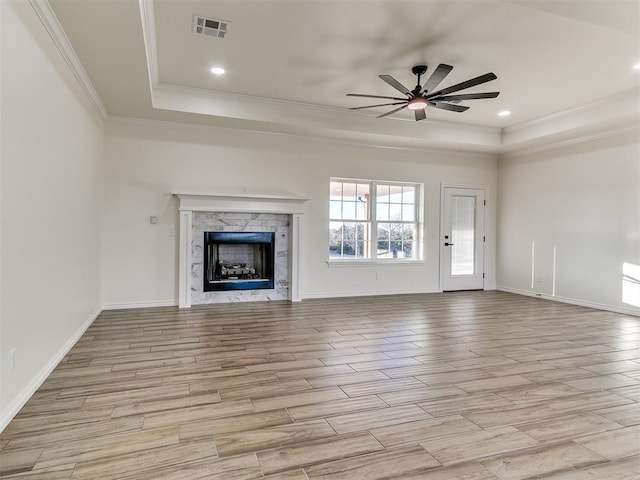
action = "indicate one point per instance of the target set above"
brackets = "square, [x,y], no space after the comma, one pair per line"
[290,63]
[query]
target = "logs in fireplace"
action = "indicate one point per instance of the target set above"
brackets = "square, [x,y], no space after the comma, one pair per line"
[238,260]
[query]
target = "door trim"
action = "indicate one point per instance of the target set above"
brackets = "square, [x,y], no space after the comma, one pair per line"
[441,272]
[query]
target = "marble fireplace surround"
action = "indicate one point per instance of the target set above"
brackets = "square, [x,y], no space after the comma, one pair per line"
[190,203]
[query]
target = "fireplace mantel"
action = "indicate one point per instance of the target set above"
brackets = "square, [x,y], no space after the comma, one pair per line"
[196,202]
[241,203]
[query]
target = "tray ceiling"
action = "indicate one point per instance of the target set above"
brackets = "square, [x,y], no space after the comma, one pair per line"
[290,63]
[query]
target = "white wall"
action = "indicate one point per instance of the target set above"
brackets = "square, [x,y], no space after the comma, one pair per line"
[145,163]
[584,200]
[51,160]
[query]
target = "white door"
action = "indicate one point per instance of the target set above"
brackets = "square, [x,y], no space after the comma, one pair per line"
[463,239]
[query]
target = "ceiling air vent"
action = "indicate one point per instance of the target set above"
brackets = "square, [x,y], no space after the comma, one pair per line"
[212,27]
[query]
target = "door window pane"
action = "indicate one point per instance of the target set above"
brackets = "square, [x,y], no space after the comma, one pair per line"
[463,235]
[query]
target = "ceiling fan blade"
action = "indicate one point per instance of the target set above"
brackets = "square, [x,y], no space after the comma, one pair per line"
[436,77]
[448,106]
[395,84]
[420,114]
[467,96]
[379,105]
[374,96]
[487,77]
[392,111]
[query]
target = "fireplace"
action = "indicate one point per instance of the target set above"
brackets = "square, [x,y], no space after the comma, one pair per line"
[238,261]
[200,214]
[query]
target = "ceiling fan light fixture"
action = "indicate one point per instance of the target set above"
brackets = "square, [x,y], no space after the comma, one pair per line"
[417,103]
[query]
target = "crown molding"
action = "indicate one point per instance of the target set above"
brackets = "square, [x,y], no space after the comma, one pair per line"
[610,114]
[147,15]
[619,130]
[219,96]
[51,24]
[143,122]
[601,102]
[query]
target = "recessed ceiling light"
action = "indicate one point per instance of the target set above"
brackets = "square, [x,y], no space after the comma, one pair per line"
[636,66]
[217,70]
[504,113]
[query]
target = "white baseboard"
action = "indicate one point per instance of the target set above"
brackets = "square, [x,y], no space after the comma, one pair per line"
[14,407]
[366,293]
[155,303]
[572,301]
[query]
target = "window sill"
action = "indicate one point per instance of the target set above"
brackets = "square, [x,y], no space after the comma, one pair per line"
[373,263]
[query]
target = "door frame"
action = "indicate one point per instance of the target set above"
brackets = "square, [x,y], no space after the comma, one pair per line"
[441,247]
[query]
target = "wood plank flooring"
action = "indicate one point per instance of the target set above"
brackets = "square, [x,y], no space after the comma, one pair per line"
[468,385]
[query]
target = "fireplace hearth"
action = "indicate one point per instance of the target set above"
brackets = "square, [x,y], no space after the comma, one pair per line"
[238,261]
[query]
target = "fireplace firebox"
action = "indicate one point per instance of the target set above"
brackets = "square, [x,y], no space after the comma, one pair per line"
[238,261]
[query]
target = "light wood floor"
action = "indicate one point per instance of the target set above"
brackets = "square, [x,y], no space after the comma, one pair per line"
[473,386]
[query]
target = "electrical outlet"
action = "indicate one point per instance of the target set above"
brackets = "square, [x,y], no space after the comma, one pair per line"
[378,275]
[12,359]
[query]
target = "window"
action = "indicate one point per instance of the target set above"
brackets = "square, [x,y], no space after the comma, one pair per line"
[373,220]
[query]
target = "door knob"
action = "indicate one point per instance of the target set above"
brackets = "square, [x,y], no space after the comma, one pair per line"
[447,244]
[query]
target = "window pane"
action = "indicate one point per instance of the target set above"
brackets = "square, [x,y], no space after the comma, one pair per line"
[408,194]
[408,213]
[363,191]
[408,240]
[335,239]
[383,241]
[396,249]
[349,210]
[335,190]
[396,231]
[395,211]
[335,209]
[382,193]
[407,250]
[348,240]
[462,235]
[395,193]
[382,211]
[355,240]
[349,192]
[408,232]
[362,201]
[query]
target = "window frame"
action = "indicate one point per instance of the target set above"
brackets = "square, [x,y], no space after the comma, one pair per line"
[373,223]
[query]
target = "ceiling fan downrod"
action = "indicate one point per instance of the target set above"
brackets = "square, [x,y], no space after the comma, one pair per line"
[418,70]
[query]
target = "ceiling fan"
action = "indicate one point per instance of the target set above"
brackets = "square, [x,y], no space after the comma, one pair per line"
[425,95]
